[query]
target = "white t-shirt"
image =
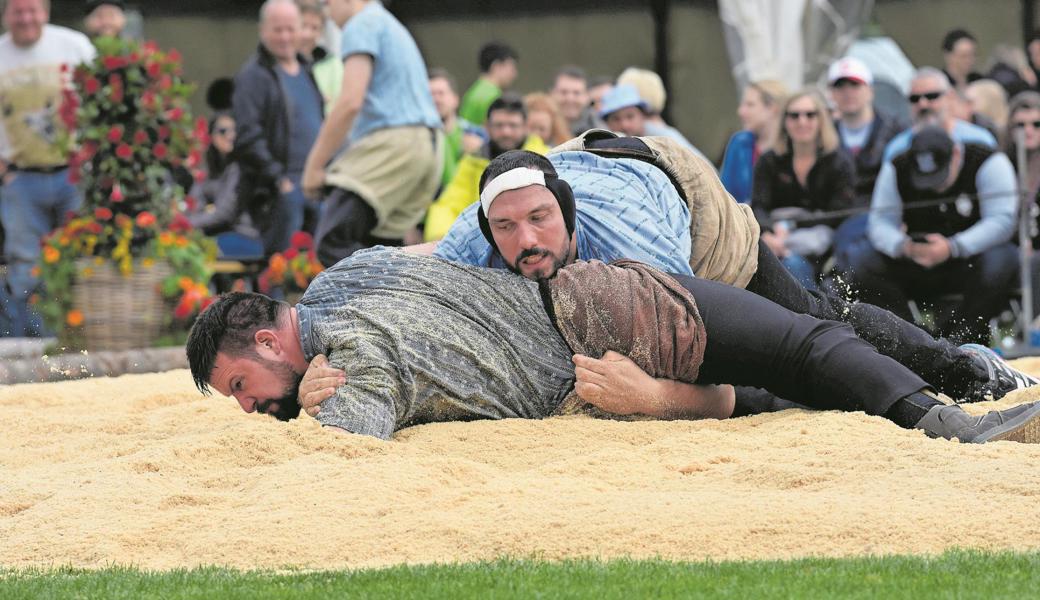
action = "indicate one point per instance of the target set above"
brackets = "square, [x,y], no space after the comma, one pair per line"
[31,83]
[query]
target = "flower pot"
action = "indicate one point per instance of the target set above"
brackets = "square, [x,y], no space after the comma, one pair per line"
[120,313]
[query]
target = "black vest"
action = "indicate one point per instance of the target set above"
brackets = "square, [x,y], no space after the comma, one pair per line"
[959,212]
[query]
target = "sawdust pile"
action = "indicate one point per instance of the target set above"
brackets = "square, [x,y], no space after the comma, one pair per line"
[142,470]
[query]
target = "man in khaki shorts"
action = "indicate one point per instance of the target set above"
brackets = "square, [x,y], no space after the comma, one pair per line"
[378,188]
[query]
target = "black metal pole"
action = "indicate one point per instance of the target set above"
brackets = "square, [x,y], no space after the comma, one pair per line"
[1028,21]
[660,10]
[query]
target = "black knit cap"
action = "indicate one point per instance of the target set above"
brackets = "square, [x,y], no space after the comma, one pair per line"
[560,189]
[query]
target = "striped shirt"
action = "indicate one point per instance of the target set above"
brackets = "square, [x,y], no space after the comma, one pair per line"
[426,340]
[625,208]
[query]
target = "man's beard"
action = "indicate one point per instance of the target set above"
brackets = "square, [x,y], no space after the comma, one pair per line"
[495,150]
[926,116]
[558,260]
[288,406]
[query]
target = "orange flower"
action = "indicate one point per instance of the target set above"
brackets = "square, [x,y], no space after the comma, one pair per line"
[35,272]
[181,241]
[166,238]
[74,318]
[145,219]
[50,255]
[185,283]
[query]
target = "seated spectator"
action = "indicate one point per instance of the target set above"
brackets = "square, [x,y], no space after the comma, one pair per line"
[1024,119]
[625,111]
[962,109]
[105,18]
[651,90]
[544,119]
[571,92]
[1010,68]
[960,52]
[759,114]
[498,71]
[446,100]
[959,245]
[507,128]
[598,87]
[805,173]
[319,43]
[932,100]
[988,102]
[216,211]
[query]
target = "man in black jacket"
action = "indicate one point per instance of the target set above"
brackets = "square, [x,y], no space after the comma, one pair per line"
[864,132]
[278,111]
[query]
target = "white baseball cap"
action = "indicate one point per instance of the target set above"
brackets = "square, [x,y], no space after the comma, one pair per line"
[850,68]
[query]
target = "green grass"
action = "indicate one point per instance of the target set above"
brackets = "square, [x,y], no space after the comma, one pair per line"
[960,574]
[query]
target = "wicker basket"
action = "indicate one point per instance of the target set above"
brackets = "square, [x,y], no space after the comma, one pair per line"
[121,313]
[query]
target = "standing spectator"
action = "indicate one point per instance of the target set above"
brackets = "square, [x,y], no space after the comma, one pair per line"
[498,71]
[544,119]
[806,172]
[35,58]
[759,114]
[322,52]
[380,185]
[278,109]
[960,52]
[863,130]
[570,90]
[507,128]
[930,98]
[959,245]
[651,90]
[1033,54]
[105,18]
[216,211]
[446,100]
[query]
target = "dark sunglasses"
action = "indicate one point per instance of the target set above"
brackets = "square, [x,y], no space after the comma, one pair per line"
[794,115]
[1022,124]
[930,96]
[844,83]
[224,130]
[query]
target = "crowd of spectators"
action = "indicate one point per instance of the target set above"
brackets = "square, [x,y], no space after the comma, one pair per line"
[336,126]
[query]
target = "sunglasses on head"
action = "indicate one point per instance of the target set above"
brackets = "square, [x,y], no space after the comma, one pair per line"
[1022,124]
[795,115]
[930,96]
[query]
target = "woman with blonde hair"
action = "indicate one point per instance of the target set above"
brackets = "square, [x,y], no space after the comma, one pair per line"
[805,173]
[545,120]
[759,112]
[989,99]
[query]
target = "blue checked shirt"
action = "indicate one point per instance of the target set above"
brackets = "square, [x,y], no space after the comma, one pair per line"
[625,208]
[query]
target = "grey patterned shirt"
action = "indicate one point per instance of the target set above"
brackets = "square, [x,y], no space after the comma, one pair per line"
[424,340]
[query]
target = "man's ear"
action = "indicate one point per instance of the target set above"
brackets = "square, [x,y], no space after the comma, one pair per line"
[267,343]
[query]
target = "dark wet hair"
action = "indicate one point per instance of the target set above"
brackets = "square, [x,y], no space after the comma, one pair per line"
[229,325]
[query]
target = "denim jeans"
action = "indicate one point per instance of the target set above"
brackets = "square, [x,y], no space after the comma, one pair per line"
[31,206]
[286,219]
[801,269]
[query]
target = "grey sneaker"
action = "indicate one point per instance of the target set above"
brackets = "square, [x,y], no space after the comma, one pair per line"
[1003,378]
[1016,424]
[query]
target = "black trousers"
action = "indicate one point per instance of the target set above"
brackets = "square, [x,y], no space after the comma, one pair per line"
[943,365]
[345,226]
[756,343]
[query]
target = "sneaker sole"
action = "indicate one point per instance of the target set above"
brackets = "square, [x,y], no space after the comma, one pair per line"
[1024,429]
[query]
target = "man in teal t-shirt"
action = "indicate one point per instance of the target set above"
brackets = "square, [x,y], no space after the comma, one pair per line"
[497,73]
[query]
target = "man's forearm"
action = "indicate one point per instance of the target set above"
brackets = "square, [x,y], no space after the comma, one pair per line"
[678,400]
[333,131]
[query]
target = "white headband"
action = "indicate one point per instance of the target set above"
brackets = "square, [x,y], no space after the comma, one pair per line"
[519,177]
